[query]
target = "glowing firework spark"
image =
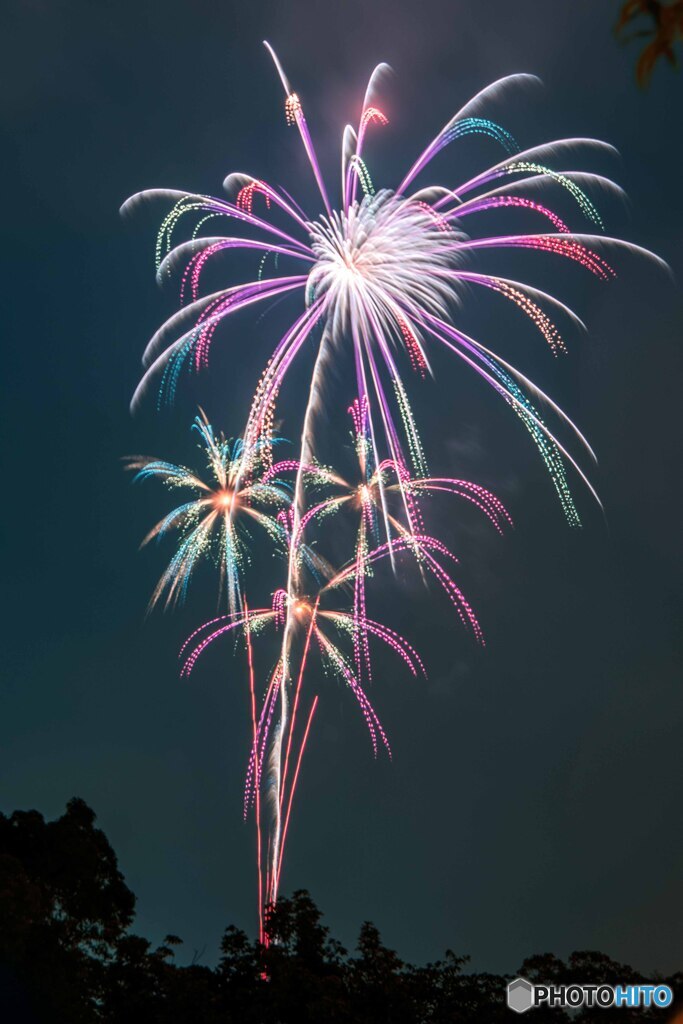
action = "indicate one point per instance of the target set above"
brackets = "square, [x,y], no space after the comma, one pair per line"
[243,486]
[379,275]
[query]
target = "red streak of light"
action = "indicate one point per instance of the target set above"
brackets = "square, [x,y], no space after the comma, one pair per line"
[292,791]
[266,939]
[254,727]
[296,701]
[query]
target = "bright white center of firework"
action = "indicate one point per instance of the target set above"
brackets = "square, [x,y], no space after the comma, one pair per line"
[223,499]
[386,257]
[302,609]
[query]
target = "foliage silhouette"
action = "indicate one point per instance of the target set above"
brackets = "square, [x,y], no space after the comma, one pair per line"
[67,955]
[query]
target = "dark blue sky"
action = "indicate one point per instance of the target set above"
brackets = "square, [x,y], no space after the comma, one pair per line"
[534,800]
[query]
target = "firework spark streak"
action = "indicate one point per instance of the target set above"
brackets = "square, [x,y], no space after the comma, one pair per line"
[379,277]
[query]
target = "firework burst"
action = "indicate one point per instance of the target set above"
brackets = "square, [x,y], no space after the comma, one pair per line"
[243,487]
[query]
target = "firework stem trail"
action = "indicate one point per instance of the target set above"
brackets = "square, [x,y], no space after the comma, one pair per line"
[297,695]
[305,458]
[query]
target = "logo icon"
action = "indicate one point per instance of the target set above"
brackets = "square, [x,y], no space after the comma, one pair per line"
[520,995]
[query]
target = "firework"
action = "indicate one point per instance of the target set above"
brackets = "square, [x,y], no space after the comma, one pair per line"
[364,498]
[312,625]
[379,274]
[386,269]
[243,487]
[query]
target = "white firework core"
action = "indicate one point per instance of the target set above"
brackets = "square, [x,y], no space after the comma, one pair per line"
[387,256]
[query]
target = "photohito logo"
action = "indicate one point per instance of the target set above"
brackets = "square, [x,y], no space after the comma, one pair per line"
[523,996]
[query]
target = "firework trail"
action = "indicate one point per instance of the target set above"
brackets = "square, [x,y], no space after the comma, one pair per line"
[379,274]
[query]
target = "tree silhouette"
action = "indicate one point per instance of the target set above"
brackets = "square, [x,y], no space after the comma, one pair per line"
[64,906]
[67,955]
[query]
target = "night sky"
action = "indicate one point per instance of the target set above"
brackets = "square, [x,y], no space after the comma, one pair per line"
[534,799]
